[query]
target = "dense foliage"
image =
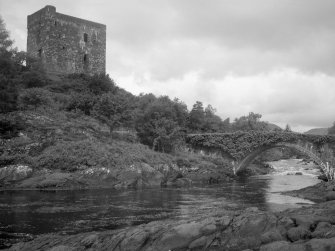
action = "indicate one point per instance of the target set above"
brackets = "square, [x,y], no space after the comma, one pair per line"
[238,144]
[252,122]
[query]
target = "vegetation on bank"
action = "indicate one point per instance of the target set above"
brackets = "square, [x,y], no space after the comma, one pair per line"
[238,144]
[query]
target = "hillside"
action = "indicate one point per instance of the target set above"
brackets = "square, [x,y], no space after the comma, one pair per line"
[317,131]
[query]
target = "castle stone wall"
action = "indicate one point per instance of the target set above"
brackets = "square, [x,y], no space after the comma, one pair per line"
[66,44]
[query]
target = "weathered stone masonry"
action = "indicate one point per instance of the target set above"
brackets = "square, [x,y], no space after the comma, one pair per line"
[66,44]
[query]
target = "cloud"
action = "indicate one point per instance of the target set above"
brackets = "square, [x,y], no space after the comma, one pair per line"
[282,97]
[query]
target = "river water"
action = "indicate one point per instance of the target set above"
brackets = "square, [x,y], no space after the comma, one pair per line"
[37,212]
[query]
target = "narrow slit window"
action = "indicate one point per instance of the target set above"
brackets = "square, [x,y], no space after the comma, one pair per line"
[86,62]
[40,53]
[85,37]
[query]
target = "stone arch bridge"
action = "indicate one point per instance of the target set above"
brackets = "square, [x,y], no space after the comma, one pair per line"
[244,147]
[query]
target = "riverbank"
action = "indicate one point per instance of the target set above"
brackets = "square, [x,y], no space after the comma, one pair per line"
[306,228]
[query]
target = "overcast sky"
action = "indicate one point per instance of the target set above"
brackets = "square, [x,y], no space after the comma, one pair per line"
[273,57]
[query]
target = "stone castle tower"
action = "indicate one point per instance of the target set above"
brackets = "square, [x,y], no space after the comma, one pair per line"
[66,44]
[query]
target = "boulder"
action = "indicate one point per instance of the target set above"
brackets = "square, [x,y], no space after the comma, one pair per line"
[281,246]
[308,221]
[89,241]
[271,236]
[52,180]
[134,239]
[324,230]
[246,229]
[61,248]
[139,176]
[284,246]
[198,243]
[322,226]
[180,182]
[185,234]
[284,224]
[298,233]
[330,196]
[321,244]
[14,173]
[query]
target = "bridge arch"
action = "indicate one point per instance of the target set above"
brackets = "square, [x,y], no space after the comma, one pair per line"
[241,165]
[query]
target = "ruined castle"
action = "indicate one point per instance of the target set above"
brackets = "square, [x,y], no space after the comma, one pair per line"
[66,44]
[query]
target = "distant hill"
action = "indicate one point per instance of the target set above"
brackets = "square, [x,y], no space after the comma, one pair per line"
[273,127]
[318,131]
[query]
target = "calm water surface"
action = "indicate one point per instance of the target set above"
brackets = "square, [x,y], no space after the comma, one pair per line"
[39,212]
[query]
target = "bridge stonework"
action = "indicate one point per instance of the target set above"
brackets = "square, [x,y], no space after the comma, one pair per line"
[244,147]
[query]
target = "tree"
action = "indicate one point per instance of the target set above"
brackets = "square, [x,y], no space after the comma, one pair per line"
[331,130]
[196,118]
[101,83]
[212,122]
[115,109]
[8,95]
[82,102]
[5,42]
[249,123]
[226,125]
[161,123]
[8,90]
[288,128]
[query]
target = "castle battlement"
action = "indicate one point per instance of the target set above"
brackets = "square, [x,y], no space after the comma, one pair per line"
[66,44]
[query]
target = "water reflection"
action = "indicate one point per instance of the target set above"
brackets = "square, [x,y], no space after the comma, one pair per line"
[77,211]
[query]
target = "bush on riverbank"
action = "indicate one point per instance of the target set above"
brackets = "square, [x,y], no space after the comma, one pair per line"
[78,155]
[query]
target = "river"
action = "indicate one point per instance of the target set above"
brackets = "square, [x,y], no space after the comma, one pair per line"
[37,212]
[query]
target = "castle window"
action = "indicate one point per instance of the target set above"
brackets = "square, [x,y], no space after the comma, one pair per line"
[94,38]
[85,37]
[85,62]
[40,52]
[55,23]
[63,47]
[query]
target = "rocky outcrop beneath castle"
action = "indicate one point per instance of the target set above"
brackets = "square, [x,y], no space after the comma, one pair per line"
[311,228]
[139,175]
[68,151]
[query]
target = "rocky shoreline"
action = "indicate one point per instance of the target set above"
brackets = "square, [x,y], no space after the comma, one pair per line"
[306,228]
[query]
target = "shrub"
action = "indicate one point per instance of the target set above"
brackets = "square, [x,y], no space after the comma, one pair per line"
[31,79]
[8,95]
[6,160]
[34,97]
[10,126]
[82,101]
[60,100]
[96,84]
[101,83]
[71,156]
